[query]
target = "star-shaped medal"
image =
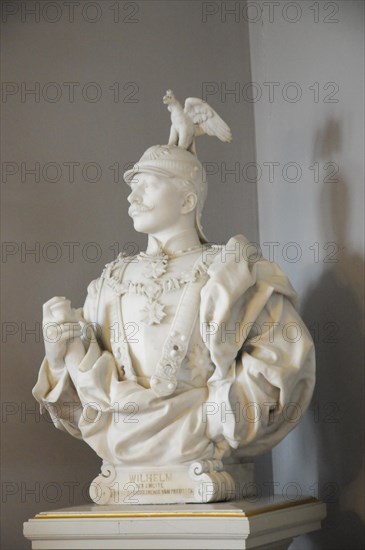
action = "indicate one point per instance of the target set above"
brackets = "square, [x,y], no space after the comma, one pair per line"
[153,313]
[155,268]
[155,265]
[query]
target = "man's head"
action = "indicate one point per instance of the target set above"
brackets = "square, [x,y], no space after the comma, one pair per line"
[160,167]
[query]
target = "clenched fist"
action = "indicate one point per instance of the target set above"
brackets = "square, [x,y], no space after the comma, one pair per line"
[61,328]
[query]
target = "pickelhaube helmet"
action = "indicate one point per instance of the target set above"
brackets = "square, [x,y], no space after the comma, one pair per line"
[174,162]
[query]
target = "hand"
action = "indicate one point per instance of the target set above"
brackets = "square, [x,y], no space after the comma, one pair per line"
[60,326]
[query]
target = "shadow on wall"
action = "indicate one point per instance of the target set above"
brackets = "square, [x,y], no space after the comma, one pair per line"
[335,307]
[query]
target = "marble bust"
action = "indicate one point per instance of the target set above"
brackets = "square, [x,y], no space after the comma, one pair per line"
[182,359]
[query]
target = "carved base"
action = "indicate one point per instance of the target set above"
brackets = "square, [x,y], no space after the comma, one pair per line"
[202,481]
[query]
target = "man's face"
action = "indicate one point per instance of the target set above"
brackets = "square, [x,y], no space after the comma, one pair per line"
[156,203]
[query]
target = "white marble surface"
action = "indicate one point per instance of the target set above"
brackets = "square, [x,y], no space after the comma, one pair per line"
[267,523]
[182,354]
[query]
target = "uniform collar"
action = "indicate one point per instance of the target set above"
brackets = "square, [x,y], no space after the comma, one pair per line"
[178,243]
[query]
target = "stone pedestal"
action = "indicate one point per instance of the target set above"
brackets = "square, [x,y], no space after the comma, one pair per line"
[263,523]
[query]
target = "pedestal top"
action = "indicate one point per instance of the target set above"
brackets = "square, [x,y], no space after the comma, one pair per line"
[264,523]
[241,508]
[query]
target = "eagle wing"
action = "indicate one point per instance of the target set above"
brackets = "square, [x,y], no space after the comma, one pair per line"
[206,120]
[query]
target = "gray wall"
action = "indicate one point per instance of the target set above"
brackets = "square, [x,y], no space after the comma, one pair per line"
[168,46]
[324,217]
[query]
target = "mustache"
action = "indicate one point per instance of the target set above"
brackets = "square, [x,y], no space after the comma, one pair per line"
[136,208]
